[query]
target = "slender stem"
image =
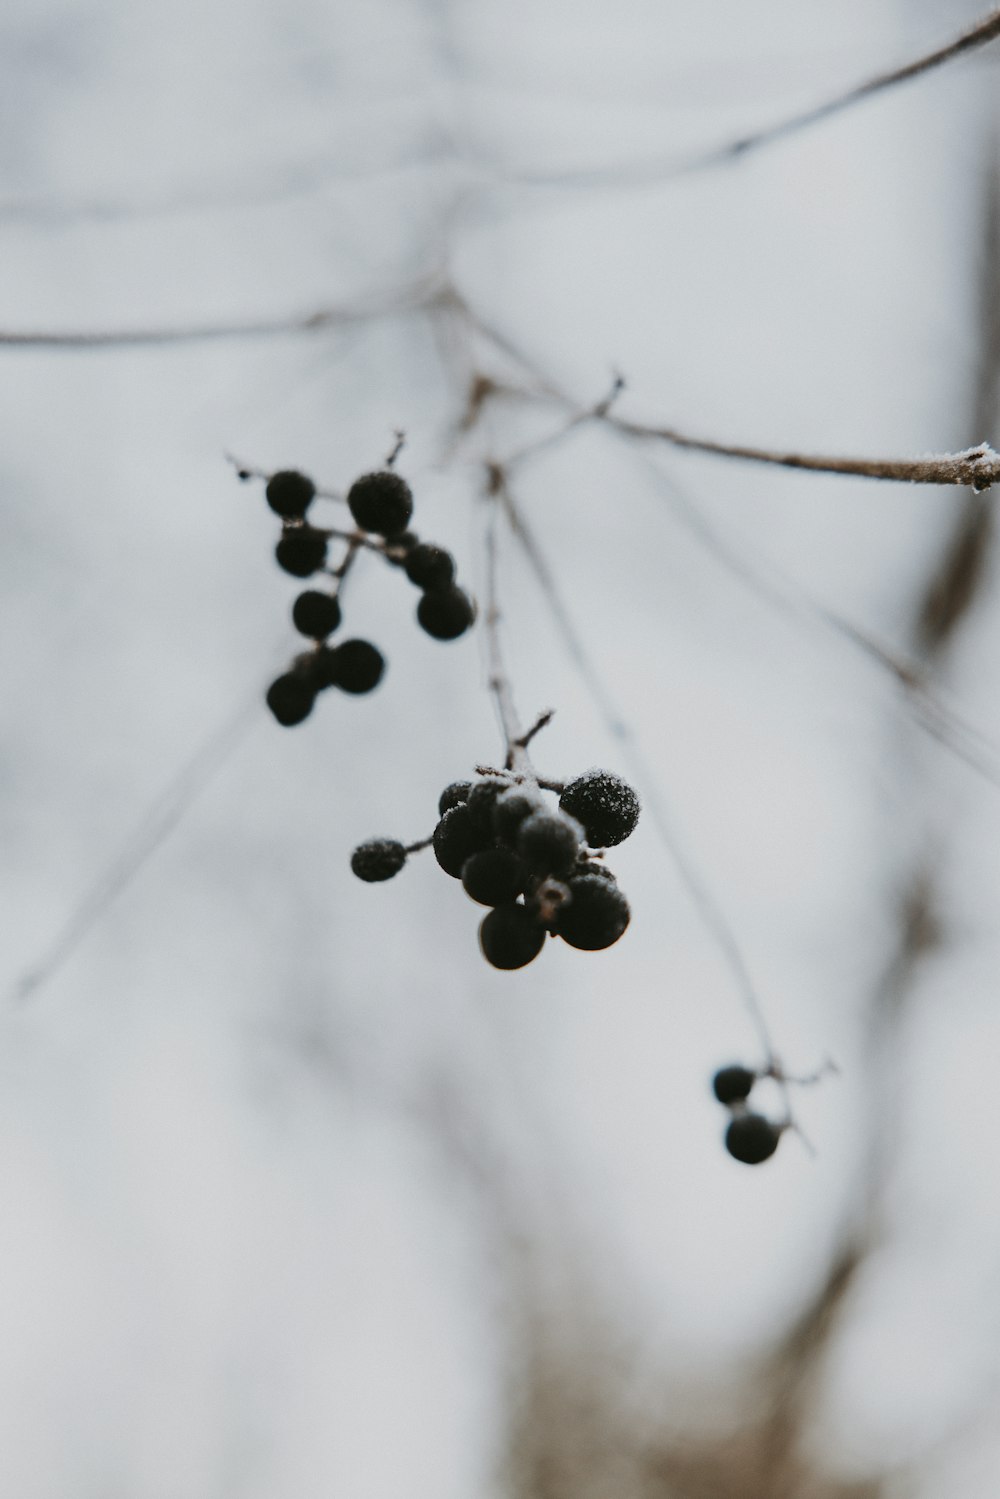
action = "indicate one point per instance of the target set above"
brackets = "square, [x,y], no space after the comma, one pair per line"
[516,757]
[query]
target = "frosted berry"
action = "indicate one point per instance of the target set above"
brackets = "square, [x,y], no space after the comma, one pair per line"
[494,876]
[510,936]
[455,839]
[595,916]
[452,795]
[446,613]
[316,614]
[605,804]
[301,551]
[381,502]
[733,1084]
[290,698]
[481,800]
[510,809]
[355,666]
[751,1138]
[430,566]
[289,493]
[379,859]
[549,842]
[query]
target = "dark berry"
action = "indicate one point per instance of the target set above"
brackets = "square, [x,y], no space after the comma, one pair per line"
[455,839]
[381,502]
[511,808]
[355,666]
[446,614]
[481,800]
[450,797]
[316,614]
[430,566]
[379,859]
[595,867]
[289,493]
[595,915]
[290,698]
[510,936]
[404,541]
[494,876]
[605,804]
[733,1084]
[301,551]
[549,842]
[751,1138]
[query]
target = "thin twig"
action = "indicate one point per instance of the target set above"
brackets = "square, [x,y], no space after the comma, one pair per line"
[516,757]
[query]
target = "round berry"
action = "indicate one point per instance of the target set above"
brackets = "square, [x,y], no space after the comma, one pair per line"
[355,666]
[751,1138]
[481,800]
[549,842]
[381,502]
[452,795]
[446,614]
[379,859]
[289,493]
[316,614]
[301,551]
[596,868]
[494,876]
[733,1084]
[605,804]
[510,936]
[430,567]
[595,915]
[510,810]
[290,698]
[455,840]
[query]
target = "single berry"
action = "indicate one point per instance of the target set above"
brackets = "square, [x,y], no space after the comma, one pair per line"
[455,839]
[381,502]
[481,800]
[548,899]
[596,868]
[450,797]
[510,936]
[289,493]
[733,1084]
[430,566]
[549,842]
[751,1138]
[355,666]
[404,541]
[511,808]
[301,551]
[605,804]
[446,614]
[379,859]
[494,876]
[290,698]
[595,915]
[316,614]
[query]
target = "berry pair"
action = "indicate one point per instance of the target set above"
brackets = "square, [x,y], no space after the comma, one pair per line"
[750,1137]
[531,863]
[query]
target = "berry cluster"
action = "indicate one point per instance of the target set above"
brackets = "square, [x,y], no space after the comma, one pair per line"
[750,1137]
[535,865]
[381,505]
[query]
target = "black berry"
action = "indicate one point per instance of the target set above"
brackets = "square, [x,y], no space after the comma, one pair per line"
[733,1084]
[316,614]
[379,859]
[510,936]
[494,876]
[450,797]
[301,551]
[289,493]
[355,666]
[595,915]
[446,614]
[381,502]
[455,839]
[510,809]
[751,1138]
[290,698]
[549,842]
[481,800]
[605,804]
[430,566]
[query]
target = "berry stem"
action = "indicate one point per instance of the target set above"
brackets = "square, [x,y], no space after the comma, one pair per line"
[516,757]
